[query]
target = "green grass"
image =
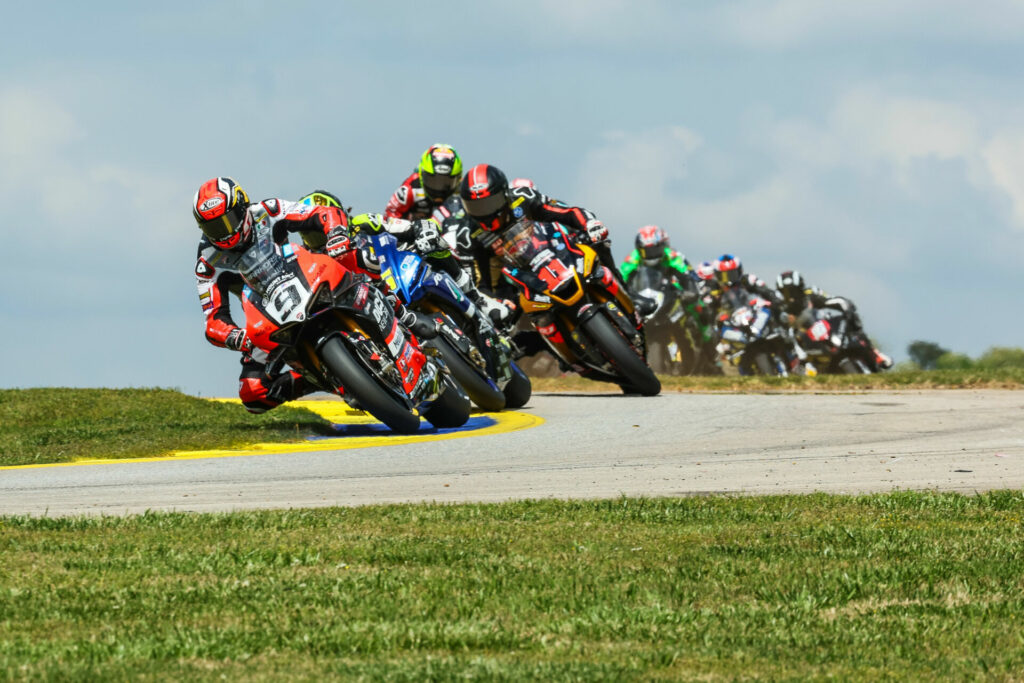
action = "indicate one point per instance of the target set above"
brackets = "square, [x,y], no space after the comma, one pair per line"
[900,586]
[59,425]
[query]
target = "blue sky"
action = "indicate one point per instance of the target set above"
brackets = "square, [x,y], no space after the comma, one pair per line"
[876,146]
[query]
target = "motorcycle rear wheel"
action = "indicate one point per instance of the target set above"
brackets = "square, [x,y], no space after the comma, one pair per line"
[356,381]
[488,397]
[451,409]
[636,376]
[763,363]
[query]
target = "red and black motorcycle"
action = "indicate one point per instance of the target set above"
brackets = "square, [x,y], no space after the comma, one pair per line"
[584,315]
[341,334]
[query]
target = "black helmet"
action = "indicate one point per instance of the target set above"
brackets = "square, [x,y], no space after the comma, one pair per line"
[791,285]
[484,192]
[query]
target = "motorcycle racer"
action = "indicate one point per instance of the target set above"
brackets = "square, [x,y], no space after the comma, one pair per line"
[435,179]
[800,301]
[653,249]
[229,222]
[491,206]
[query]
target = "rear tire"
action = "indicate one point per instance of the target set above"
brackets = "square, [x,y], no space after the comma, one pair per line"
[764,365]
[356,381]
[635,374]
[451,409]
[489,398]
[519,389]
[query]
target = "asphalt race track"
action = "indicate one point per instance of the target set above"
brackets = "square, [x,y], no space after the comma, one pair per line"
[590,446]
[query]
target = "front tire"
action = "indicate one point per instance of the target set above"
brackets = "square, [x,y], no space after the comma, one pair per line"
[519,389]
[635,374]
[488,397]
[356,381]
[451,409]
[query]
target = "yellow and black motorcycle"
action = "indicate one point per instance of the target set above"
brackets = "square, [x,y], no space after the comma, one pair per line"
[576,304]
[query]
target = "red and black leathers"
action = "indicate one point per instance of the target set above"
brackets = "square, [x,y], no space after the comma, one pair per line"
[472,241]
[410,200]
[217,277]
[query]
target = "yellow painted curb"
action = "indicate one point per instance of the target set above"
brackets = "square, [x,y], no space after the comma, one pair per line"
[336,412]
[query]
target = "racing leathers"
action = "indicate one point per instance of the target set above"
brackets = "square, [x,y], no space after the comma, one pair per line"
[410,201]
[218,277]
[473,242]
[801,314]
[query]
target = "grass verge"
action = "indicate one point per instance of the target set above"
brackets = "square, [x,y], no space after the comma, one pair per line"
[59,425]
[904,586]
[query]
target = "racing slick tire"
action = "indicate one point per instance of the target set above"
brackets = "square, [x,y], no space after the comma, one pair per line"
[636,375]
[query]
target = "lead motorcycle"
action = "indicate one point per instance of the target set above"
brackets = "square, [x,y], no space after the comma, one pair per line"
[308,311]
[751,337]
[479,356]
[585,317]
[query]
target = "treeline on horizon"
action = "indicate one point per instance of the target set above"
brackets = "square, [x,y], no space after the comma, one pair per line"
[928,355]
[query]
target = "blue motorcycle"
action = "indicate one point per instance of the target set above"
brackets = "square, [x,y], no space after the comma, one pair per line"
[479,359]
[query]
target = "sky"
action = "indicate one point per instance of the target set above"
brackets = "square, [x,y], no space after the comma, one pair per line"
[875,146]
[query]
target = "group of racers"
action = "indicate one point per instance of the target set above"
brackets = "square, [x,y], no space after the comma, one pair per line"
[452,218]
[797,304]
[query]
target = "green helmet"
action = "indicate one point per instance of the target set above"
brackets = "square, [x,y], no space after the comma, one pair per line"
[440,171]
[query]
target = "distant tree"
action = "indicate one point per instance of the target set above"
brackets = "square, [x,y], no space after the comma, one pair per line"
[1002,357]
[925,353]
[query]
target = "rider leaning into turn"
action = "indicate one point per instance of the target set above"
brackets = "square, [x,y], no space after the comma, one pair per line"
[652,249]
[491,206]
[229,221]
[435,179]
[800,300]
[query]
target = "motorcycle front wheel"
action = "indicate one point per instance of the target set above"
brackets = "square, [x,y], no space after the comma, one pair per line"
[636,376]
[451,409]
[357,382]
[519,388]
[485,394]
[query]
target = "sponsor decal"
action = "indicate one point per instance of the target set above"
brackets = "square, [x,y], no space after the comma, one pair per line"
[210,204]
[517,212]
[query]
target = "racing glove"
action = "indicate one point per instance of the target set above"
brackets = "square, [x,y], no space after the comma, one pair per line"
[338,241]
[238,340]
[498,310]
[428,237]
[596,231]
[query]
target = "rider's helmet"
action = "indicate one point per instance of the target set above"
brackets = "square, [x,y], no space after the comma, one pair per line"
[728,270]
[705,270]
[792,287]
[484,193]
[220,208]
[440,171]
[522,182]
[651,242]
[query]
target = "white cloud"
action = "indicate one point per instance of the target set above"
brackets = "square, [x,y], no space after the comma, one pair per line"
[1004,160]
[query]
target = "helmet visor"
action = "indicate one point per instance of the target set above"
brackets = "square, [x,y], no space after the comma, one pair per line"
[651,255]
[223,227]
[438,184]
[485,207]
